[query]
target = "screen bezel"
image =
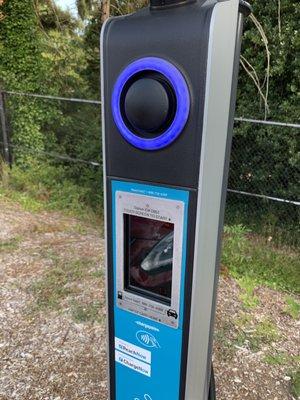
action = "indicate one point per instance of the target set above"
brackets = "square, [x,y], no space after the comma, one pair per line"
[161,209]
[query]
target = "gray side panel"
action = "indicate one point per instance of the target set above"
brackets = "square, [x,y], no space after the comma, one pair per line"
[222,43]
[226,171]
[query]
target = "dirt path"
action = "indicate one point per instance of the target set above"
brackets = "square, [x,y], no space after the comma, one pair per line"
[52,319]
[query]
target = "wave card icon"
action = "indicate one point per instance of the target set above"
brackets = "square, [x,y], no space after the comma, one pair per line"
[147,339]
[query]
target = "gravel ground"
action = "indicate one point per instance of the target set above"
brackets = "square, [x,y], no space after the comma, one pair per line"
[52,340]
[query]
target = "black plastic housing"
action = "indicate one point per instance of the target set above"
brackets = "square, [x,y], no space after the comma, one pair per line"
[169,34]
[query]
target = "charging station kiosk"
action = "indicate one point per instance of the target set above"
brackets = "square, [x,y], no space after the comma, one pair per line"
[169,75]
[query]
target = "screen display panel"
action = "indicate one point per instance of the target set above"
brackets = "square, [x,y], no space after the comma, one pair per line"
[148,256]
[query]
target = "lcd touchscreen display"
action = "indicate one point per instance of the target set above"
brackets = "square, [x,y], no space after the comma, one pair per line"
[148,257]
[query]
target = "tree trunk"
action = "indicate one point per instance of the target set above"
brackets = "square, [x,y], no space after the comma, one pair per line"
[105,10]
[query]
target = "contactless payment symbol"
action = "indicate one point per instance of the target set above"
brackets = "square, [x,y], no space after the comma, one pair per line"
[146,397]
[147,339]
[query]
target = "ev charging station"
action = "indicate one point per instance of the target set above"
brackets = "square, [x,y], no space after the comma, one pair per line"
[169,76]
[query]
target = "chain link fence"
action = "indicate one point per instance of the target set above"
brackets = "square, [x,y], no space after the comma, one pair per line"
[263,187]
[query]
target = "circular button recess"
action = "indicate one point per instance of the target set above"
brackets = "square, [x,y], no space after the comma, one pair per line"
[150,103]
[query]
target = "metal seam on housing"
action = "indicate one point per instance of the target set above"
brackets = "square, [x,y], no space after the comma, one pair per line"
[182,95]
[108,368]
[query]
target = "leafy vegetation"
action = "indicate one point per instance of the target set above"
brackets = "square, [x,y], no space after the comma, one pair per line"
[22,69]
[45,186]
[252,258]
[46,50]
[271,62]
[279,222]
[50,51]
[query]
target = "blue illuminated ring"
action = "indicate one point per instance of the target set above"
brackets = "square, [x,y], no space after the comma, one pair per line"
[180,88]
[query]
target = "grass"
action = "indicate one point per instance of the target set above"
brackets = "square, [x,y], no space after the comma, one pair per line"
[57,282]
[223,336]
[42,186]
[27,202]
[254,336]
[291,364]
[99,273]
[79,228]
[10,245]
[87,312]
[292,308]
[60,282]
[247,296]
[295,384]
[249,257]
[245,331]
[281,358]
[277,359]
[277,221]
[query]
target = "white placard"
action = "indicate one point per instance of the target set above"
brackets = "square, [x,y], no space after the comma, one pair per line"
[133,350]
[133,363]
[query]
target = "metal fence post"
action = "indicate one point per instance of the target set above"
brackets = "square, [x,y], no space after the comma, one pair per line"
[4,127]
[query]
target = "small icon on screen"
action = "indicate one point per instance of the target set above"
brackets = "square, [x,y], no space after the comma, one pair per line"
[172,313]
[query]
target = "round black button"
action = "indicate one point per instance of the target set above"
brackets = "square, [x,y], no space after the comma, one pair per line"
[148,105]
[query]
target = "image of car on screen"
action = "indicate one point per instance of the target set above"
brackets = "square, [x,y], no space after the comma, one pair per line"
[150,256]
[161,255]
